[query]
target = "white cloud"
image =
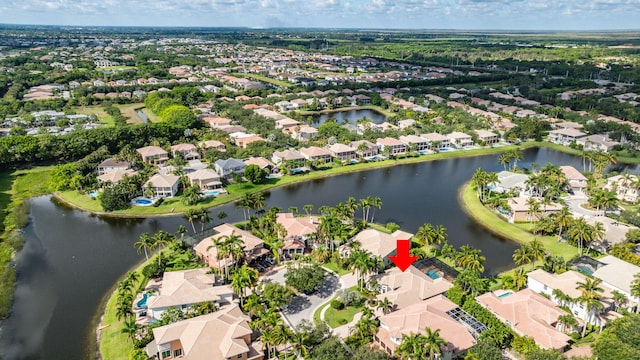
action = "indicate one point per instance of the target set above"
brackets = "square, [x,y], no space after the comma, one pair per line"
[525,14]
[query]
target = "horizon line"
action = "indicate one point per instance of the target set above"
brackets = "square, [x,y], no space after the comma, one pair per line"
[249,28]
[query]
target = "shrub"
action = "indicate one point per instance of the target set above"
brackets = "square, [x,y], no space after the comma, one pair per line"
[337,304]
[349,297]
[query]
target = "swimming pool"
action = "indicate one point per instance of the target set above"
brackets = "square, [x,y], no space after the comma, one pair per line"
[433,274]
[445,149]
[211,193]
[93,194]
[585,270]
[142,304]
[141,201]
[505,295]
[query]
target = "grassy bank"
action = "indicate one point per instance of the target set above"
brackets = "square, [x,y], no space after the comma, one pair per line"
[236,191]
[516,232]
[112,342]
[16,187]
[282,84]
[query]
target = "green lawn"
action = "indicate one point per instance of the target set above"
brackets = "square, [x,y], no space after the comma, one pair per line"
[333,267]
[129,111]
[114,344]
[102,115]
[262,78]
[336,318]
[516,232]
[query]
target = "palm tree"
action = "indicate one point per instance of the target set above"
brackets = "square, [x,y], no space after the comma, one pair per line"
[534,209]
[523,255]
[162,239]
[411,346]
[243,278]
[204,218]
[537,250]
[308,209]
[515,155]
[580,233]
[365,205]
[376,202]
[591,293]
[561,297]
[562,219]
[293,209]
[130,327]
[433,343]
[385,305]
[362,263]
[192,215]
[504,160]
[567,320]
[146,243]
[181,230]
[191,195]
[470,258]
[619,299]
[424,235]
[479,179]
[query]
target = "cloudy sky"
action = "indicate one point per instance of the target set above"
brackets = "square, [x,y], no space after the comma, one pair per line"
[398,14]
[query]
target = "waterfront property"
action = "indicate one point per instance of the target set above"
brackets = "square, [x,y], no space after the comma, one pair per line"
[379,243]
[460,139]
[437,312]
[253,246]
[163,185]
[509,181]
[565,136]
[405,288]
[528,314]
[111,165]
[115,176]
[391,146]
[314,153]
[622,186]
[297,231]
[227,167]
[224,334]
[185,288]
[364,148]
[206,179]
[577,181]
[521,210]
[342,152]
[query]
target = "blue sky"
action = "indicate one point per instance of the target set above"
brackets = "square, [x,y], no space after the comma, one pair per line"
[397,14]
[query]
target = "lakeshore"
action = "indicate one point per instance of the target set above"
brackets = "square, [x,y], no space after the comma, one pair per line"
[492,222]
[173,206]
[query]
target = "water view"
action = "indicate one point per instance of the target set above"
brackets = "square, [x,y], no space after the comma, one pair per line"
[349,116]
[72,259]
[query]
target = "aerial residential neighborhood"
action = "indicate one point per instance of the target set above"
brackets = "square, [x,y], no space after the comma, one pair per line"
[249,193]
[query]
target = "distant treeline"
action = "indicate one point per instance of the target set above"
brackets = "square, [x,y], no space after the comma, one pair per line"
[16,150]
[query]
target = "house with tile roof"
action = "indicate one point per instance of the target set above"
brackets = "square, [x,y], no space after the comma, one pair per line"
[224,334]
[111,164]
[253,246]
[528,314]
[433,313]
[153,155]
[185,288]
[405,288]
[379,243]
[163,185]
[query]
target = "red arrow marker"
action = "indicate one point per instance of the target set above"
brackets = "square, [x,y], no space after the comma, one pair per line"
[402,259]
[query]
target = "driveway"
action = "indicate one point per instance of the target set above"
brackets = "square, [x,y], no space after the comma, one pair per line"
[303,306]
[615,232]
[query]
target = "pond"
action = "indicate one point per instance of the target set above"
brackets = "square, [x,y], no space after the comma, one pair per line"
[71,260]
[349,116]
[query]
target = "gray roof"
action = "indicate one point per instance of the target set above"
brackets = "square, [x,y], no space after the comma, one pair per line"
[511,180]
[230,163]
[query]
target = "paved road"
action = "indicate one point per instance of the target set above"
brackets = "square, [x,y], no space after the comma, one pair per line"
[615,232]
[303,306]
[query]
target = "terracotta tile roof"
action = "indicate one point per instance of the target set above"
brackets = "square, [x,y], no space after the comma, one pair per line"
[530,314]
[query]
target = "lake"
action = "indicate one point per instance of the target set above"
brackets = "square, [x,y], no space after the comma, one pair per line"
[71,260]
[349,116]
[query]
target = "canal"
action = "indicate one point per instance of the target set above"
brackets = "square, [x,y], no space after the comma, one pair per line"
[71,259]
